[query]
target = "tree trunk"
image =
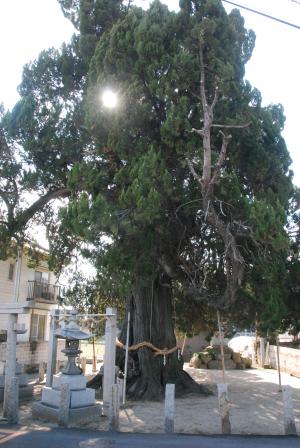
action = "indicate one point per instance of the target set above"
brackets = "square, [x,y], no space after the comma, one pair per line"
[151,320]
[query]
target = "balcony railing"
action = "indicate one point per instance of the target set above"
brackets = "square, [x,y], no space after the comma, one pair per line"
[43,291]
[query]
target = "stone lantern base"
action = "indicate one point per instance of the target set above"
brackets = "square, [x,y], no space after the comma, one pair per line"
[82,406]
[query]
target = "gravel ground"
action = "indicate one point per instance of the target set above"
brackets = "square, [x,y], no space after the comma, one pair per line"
[255,399]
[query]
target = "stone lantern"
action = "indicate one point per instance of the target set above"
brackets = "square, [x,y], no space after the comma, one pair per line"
[72,334]
[80,401]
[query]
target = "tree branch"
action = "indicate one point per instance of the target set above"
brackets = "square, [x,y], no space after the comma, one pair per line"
[17,223]
[197,131]
[202,80]
[193,172]
[225,141]
[215,100]
[232,126]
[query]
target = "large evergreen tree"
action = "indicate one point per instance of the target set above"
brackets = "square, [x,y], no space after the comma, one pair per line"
[183,190]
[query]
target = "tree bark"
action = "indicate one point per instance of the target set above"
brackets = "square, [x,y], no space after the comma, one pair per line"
[151,320]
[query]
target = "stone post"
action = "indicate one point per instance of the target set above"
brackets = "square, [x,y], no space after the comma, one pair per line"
[64,405]
[52,349]
[288,412]
[41,372]
[114,409]
[12,407]
[253,354]
[278,362]
[169,408]
[261,351]
[120,382]
[109,357]
[224,408]
[83,364]
[10,367]
[94,365]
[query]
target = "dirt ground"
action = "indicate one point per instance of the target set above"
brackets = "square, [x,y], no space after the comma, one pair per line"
[256,406]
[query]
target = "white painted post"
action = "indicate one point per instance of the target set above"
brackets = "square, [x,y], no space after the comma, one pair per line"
[94,368]
[224,408]
[10,367]
[169,408]
[278,363]
[114,409]
[288,412]
[262,351]
[183,345]
[41,372]
[109,357]
[221,345]
[52,349]
[64,405]
[267,362]
[126,358]
[253,354]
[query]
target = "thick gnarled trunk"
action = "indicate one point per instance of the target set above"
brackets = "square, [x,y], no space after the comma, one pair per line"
[151,321]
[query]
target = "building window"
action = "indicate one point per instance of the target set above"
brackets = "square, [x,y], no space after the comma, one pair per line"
[37,327]
[3,336]
[11,271]
[41,277]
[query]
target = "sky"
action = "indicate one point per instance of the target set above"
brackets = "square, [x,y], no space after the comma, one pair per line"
[29,26]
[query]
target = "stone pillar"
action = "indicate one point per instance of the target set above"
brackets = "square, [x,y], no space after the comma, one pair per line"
[10,367]
[120,382]
[52,349]
[83,364]
[64,405]
[253,354]
[94,365]
[224,408]
[41,372]
[261,351]
[12,403]
[278,362]
[169,408]
[288,412]
[114,409]
[109,357]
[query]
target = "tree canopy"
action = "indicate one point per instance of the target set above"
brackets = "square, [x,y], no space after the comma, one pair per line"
[184,187]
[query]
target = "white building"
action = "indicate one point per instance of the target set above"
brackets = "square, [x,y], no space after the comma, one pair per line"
[22,280]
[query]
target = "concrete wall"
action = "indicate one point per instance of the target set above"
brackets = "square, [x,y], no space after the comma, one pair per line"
[30,355]
[289,359]
[6,285]
[87,350]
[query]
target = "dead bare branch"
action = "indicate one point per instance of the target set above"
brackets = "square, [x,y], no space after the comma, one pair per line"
[232,126]
[193,172]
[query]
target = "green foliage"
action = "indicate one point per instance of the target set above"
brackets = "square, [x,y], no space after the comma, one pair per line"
[134,208]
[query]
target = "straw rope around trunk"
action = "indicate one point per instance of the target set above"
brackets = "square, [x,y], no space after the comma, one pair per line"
[157,351]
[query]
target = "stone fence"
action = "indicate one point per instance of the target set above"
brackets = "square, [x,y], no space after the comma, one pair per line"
[289,359]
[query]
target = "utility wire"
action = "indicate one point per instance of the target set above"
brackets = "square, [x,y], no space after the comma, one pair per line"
[263,14]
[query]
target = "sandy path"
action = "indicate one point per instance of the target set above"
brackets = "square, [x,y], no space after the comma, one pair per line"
[256,406]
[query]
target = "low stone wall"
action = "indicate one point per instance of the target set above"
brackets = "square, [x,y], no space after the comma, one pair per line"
[30,354]
[193,345]
[289,359]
